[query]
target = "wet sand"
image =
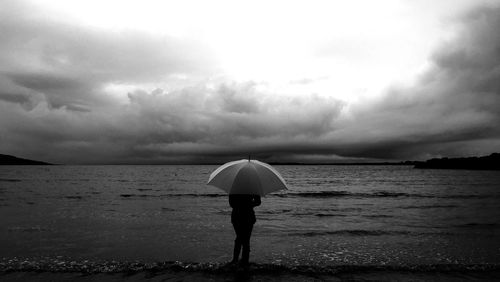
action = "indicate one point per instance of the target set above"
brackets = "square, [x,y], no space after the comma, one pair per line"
[249,276]
[54,270]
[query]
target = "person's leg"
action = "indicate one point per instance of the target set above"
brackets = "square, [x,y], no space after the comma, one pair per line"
[237,242]
[247,233]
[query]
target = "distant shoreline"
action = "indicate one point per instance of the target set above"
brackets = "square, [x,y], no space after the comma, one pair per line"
[491,162]
[11,160]
[344,164]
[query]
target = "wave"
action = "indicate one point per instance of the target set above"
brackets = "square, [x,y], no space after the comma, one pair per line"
[10,180]
[172,195]
[319,214]
[322,194]
[328,212]
[74,197]
[144,189]
[338,194]
[378,216]
[165,209]
[478,225]
[61,265]
[277,211]
[137,195]
[352,232]
[378,194]
[329,215]
[27,229]
[363,232]
[428,207]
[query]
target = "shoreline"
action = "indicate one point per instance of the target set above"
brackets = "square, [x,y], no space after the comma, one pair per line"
[251,275]
[64,270]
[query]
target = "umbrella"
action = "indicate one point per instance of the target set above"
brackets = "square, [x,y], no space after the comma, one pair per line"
[247,177]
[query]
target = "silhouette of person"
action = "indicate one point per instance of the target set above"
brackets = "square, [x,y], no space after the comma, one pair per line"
[243,219]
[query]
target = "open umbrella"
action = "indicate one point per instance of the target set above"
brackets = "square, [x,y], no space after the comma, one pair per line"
[247,177]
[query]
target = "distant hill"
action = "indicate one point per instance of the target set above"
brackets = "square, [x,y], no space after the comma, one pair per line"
[491,162]
[11,160]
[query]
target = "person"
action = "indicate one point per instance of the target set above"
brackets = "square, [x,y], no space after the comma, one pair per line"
[243,219]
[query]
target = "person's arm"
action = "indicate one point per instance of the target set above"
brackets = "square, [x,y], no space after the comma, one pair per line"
[256,200]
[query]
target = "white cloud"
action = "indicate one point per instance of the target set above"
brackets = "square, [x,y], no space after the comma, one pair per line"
[72,93]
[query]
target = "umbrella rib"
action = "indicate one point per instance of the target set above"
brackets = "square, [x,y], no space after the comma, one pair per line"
[273,170]
[258,178]
[240,169]
[221,168]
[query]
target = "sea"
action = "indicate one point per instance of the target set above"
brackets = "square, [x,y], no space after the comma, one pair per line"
[331,216]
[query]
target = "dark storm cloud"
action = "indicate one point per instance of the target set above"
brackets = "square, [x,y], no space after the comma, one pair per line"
[53,106]
[14,98]
[229,116]
[44,83]
[453,109]
[230,119]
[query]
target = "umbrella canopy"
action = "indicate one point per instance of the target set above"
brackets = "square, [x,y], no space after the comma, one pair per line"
[247,177]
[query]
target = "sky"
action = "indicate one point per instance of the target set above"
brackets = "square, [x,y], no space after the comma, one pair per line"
[157,82]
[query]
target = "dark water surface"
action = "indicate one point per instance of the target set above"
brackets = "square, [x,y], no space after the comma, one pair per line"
[332,215]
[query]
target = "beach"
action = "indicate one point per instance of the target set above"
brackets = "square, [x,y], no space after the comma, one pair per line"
[177,271]
[334,223]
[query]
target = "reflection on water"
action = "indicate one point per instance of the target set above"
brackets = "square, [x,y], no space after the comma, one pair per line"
[332,215]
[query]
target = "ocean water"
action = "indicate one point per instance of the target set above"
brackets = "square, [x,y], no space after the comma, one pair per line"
[330,216]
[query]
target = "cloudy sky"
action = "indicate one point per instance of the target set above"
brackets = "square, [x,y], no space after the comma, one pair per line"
[209,81]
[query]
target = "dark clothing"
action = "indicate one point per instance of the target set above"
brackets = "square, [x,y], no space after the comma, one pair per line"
[243,208]
[242,241]
[243,219]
